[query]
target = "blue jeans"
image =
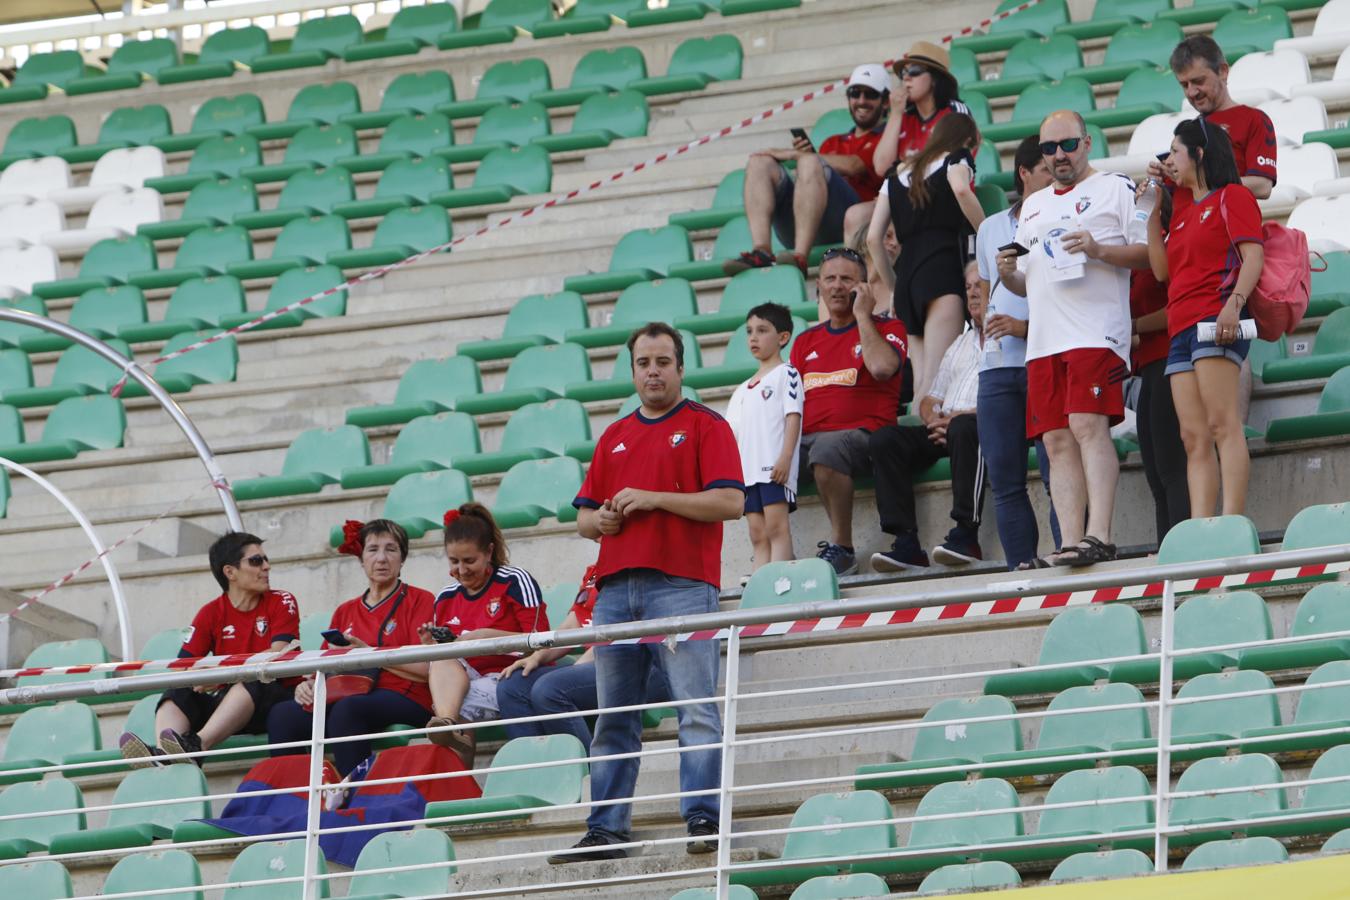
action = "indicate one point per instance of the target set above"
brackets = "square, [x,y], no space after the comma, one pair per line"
[622,672]
[1001,418]
[359,714]
[557,689]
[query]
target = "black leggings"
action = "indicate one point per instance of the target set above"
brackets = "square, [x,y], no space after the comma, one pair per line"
[359,714]
[1161,448]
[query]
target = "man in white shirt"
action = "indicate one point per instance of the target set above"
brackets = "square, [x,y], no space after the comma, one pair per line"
[900,452]
[1083,235]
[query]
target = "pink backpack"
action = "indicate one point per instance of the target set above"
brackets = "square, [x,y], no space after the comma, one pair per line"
[1280,299]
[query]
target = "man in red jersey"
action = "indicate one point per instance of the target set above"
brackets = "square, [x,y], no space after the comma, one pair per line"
[851,367]
[663,480]
[249,617]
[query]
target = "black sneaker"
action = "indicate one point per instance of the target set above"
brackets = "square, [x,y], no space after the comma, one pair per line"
[905,555]
[751,259]
[591,848]
[176,742]
[959,549]
[136,751]
[841,558]
[705,830]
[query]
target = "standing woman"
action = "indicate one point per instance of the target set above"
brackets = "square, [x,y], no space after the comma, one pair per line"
[1211,258]
[932,204]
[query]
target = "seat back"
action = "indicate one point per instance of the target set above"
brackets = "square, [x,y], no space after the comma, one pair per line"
[145,57]
[1257,28]
[208,299]
[1039,100]
[1089,728]
[50,732]
[549,315]
[862,824]
[551,425]
[11,333]
[1114,783]
[327,451]
[652,248]
[297,284]
[1295,117]
[424,23]
[214,363]
[242,45]
[441,438]
[1233,618]
[156,870]
[399,849]
[1333,335]
[1229,772]
[29,799]
[1335,763]
[331,34]
[320,189]
[118,257]
[270,860]
[1100,631]
[520,13]
[663,300]
[837,887]
[128,211]
[513,123]
[314,238]
[1324,705]
[794,581]
[748,289]
[418,501]
[97,422]
[136,125]
[23,267]
[325,101]
[11,420]
[164,644]
[81,366]
[101,311]
[610,68]
[1319,525]
[439,380]
[552,367]
[221,199]
[215,247]
[177,791]
[35,177]
[1150,85]
[549,483]
[1253,851]
[718,57]
[42,880]
[1150,41]
[1229,716]
[1051,57]
[970,740]
[1196,540]
[967,797]
[418,92]
[232,115]
[1039,19]
[528,169]
[419,227]
[1325,608]
[554,785]
[40,136]
[970,877]
[1103,864]
[322,145]
[625,113]
[417,133]
[225,155]
[514,81]
[57,68]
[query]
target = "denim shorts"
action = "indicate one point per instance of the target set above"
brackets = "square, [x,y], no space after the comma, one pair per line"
[758,496]
[839,196]
[1186,348]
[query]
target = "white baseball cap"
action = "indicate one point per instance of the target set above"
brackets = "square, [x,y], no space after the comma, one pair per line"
[871,75]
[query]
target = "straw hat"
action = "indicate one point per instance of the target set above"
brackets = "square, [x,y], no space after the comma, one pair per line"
[928,54]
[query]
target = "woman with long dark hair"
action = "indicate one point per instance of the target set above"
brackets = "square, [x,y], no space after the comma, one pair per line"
[927,93]
[1211,259]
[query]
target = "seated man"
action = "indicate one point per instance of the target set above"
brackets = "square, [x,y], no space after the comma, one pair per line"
[249,617]
[899,452]
[810,208]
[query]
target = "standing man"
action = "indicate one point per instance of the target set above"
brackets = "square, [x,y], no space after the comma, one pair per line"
[1083,236]
[851,369]
[662,482]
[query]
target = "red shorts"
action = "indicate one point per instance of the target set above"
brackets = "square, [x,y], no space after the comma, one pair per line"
[1075,381]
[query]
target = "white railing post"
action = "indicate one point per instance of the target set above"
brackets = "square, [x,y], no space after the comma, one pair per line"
[315,795]
[1161,812]
[733,688]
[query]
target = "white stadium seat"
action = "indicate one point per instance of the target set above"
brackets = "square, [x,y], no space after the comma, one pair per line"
[23,221]
[1150,137]
[1337,89]
[1258,77]
[1330,34]
[1295,117]
[116,172]
[28,179]
[1305,171]
[1326,222]
[21,268]
[115,215]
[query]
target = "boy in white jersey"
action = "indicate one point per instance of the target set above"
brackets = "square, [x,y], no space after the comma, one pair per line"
[766,415]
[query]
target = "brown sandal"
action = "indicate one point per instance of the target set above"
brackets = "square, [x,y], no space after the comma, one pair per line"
[457,741]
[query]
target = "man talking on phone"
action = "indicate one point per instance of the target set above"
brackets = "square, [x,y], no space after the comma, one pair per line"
[809,208]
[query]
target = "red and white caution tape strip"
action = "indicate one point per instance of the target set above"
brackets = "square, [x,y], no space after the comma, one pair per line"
[559,200]
[952,611]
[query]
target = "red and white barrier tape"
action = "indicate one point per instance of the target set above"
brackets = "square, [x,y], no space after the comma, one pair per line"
[558,200]
[949,612]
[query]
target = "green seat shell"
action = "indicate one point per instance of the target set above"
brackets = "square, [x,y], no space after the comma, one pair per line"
[504,173]
[312,146]
[587,17]
[1038,101]
[96,422]
[861,825]
[215,201]
[418,501]
[403,231]
[219,156]
[534,320]
[1318,526]
[1331,798]
[5,412]
[558,768]
[1217,773]
[734,892]
[1330,353]
[179,791]
[620,382]
[110,261]
[43,71]
[45,735]
[728,202]
[1116,783]
[205,252]
[41,880]
[315,458]
[601,120]
[16,373]
[314,43]
[411,29]
[534,431]
[79,372]
[428,386]
[1244,31]
[215,363]
[499,23]
[321,103]
[678,11]
[737,363]
[1030,61]
[129,65]
[1077,730]
[11,421]
[1102,864]
[218,116]
[662,300]
[102,312]
[536,489]
[640,255]
[267,861]
[302,242]
[1324,608]
[297,284]
[409,93]
[1338,842]
[538,373]
[156,870]
[1197,720]
[12,333]
[42,809]
[427,443]
[1206,620]
[196,304]
[1199,540]
[1332,418]
[309,192]
[1136,44]
[1101,631]
[221,55]
[794,581]
[507,124]
[1318,709]
[732,238]
[943,837]
[1253,851]
[1329,292]
[837,887]
[1041,19]
[504,82]
[940,745]
[603,69]
[126,126]
[401,850]
[406,137]
[1145,92]
[696,63]
[745,291]
[969,877]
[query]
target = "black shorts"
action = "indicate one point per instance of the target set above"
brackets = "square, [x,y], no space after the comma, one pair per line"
[936,273]
[199,706]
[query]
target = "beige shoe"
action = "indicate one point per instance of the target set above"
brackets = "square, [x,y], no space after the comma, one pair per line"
[457,741]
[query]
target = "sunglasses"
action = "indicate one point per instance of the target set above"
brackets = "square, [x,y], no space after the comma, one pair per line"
[913,70]
[845,252]
[255,560]
[857,91]
[1068,145]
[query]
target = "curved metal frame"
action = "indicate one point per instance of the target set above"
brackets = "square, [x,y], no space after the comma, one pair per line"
[119,599]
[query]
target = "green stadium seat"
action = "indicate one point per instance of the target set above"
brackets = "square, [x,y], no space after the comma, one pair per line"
[12,333]
[499,23]
[662,300]
[1103,864]
[220,56]
[425,444]
[620,382]
[748,289]
[33,800]
[38,136]
[45,735]
[749,7]
[1245,31]
[599,71]
[75,425]
[216,117]
[966,877]
[536,489]
[404,231]
[1255,851]
[600,120]
[734,892]
[964,66]
[1094,822]
[403,850]
[640,255]
[558,601]
[197,303]
[732,239]
[506,793]
[503,82]
[129,65]
[1330,353]
[1318,526]
[412,93]
[16,373]
[796,581]
[11,423]
[1037,102]
[109,262]
[297,284]
[164,644]
[987,164]
[1332,418]
[221,156]
[538,373]
[836,887]
[533,321]
[535,431]
[42,880]
[313,146]
[1262,352]
[992,198]
[419,501]
[428,386]
[42,72]
[216,363]
[1081,732]
[1332,797]
[156,870]
[315,458]
[586,17]
[504,173]
[269,860]
[695,64]
[1212,720]
[737,363]
[1030,61]
[674,11]
[408,137]
[1146,43]
[302,242]
[205,252]
[1324,608]
[211,202]
[79,372]
[1041,19]
[312,628]
[505,125]
[1338,842]
[940,835]
[1318,708]
[980,111]
[315,42]
[860,826]
[1100,631]
[1328,291]
[1197,540]
[126,126]
[727,204]
[5,412]
[1205,621]
[309,192]
[939,745]
[411,29]
[101,312]
[325,103]
[1218,773]
[1144,92]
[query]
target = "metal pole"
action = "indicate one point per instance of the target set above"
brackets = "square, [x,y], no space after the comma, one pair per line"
[137,374]
[119,599]
[315,796]
[1161,810]
[733,688]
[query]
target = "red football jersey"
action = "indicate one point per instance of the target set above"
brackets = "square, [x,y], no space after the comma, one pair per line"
[1254,146]
[1201,257]
[584,606]
[377,627]
[914,129]
[510,601]
[1147,294]
[840,392]
[687,450]
[864,147]
[219,629]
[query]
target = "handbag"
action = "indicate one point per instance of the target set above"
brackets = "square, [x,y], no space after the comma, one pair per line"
[352,684]
[1280,299]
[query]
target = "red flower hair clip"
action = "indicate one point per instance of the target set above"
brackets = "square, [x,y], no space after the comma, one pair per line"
[450,516]
[351,538]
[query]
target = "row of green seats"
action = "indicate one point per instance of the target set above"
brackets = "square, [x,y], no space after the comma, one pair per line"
[75,424]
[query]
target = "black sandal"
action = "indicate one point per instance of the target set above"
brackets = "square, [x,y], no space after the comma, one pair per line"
[1037,562]
[1087,552]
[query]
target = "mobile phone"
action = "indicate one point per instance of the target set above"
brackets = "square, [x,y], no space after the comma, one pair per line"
[1015,247]
[800,134]
[1162,157]
[441,634]
[336,638]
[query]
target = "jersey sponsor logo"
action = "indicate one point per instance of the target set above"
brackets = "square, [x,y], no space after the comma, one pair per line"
[766,392]
[1096,390]
[1265,161]
[494,607]
[857,350]
[812,355]
[1051,238]
[677,438]
[389,627]
[1206,213]
[187,635]
[260,625]
[227,632]
[619,449]
[1033,215]
[895,339]
[288,601]
[842,377]
[1082,205]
